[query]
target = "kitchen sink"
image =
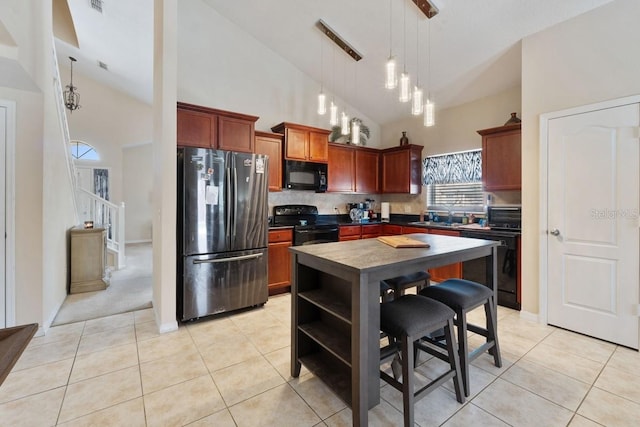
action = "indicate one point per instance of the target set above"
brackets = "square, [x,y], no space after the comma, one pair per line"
[420,223]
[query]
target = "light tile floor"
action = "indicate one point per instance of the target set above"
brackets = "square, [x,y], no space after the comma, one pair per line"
[234,371]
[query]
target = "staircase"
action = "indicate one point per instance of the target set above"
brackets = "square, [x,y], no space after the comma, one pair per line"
[89,206]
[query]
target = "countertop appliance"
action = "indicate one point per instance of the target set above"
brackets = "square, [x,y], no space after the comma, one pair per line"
[506,217]
[307,230]
[222,231]
[305,176]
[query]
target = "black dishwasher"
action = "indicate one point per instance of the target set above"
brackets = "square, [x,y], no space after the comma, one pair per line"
[475,270]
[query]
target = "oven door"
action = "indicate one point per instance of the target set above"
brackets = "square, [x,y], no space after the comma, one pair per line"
[312,235]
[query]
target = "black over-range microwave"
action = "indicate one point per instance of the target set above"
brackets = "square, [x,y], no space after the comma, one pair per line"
[305,176]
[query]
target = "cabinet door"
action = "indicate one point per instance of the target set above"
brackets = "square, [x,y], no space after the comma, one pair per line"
[367,171]
[235,134]
[196,129]
[349,232]
[395,168]
[371,231]
[451,271]
[297,144]
[318,147]
[279,277]
[391,230]
[501,161]
[341,169]
[272,147]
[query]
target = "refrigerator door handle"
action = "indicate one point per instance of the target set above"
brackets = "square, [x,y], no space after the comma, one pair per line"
[235,199]
[228,195]
[218,260]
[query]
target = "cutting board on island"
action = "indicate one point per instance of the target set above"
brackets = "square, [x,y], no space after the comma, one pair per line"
[403,242]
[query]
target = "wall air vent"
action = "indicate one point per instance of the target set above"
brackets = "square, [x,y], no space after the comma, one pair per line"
[103,65]
[97,5]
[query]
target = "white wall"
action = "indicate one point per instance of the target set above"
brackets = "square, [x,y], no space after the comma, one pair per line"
[108,120]
[43,200]
[137,176]
[588,59]
[456,128]
[223,67]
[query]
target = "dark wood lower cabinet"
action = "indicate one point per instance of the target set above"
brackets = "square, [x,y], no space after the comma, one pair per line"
[280,261]
[451,271]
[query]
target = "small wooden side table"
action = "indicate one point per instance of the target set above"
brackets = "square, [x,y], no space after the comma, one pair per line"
[88,259]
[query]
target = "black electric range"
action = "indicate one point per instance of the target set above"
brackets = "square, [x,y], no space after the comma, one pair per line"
[307,229]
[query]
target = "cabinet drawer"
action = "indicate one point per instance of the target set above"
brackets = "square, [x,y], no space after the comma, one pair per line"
[349,230]
[409,230]
[280,236]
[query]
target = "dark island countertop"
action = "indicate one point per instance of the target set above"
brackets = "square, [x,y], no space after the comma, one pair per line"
[371,255]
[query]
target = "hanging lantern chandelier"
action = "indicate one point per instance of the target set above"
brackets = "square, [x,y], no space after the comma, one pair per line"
[71,96]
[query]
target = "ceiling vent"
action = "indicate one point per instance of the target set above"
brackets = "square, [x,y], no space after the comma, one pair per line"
[97,5]
[103,65]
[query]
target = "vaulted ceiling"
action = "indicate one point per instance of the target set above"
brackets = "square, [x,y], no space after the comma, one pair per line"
[474,44]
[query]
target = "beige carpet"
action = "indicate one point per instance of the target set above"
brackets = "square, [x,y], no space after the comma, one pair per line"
[129,290]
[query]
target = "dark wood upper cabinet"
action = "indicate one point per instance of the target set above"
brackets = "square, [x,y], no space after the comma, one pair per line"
[205,127]
[271,145]
[304,143]
[353,169]
[501,158]
[196,129]
[341,169]
[367,170]
[402,169]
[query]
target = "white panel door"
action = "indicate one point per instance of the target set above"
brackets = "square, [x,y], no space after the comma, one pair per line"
[3,217]
[593,207]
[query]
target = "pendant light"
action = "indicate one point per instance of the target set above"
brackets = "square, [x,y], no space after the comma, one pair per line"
[344,118]
[322,99]
[71,96]
[333,114]
[416,97]
[355,132]
[405,83]
[429,108]
[391,75]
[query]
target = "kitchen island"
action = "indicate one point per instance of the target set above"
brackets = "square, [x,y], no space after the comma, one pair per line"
[335,306]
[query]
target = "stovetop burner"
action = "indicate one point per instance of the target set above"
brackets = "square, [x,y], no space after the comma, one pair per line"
[298,215]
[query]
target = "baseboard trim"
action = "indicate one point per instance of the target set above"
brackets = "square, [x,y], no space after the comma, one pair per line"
[168,327]
[532,317]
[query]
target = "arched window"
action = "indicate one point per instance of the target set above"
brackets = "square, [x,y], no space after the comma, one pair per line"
[83,151]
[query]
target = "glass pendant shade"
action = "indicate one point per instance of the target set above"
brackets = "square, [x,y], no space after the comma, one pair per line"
[391,81]
[405,92]
[355,132]
[322,103]
[429,112]
[416,101]
[333,111]
[345,124]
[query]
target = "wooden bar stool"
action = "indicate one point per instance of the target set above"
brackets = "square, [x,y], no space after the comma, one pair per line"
[463,296]
[407,319]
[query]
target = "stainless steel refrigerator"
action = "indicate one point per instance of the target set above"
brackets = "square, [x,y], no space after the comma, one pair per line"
[222,231]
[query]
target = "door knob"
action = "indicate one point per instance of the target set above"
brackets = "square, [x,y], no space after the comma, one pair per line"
[555,232]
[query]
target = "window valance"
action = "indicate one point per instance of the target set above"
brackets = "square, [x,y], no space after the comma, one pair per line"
[454,168]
